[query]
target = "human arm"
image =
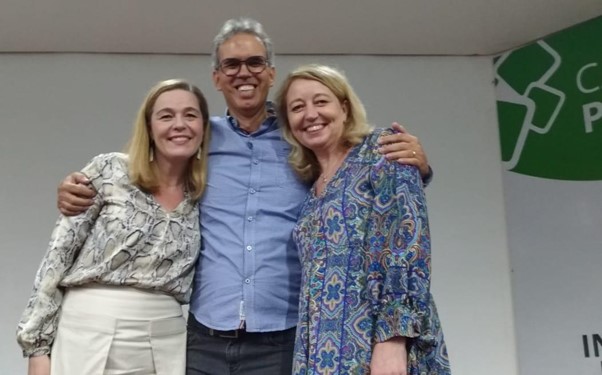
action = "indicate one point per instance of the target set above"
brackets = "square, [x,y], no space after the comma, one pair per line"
[390,357]
[406,149]
[75,194]
[37,327]
[39,365]
[398,242]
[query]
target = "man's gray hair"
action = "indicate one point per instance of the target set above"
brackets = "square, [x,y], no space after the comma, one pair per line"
[241,25]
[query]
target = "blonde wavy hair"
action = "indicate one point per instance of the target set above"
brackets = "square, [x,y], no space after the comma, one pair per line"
[142,171]
[302,159]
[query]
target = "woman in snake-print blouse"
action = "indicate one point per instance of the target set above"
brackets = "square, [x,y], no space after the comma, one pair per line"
[131,255]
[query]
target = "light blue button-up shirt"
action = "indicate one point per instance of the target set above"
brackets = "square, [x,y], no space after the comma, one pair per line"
[249,268]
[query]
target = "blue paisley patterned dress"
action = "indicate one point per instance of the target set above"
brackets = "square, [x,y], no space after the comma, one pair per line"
[365,249]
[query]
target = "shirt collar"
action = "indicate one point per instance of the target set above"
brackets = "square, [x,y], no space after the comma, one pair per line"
[269,124]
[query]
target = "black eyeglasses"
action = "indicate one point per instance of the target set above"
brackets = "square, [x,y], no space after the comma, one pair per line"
[255,65]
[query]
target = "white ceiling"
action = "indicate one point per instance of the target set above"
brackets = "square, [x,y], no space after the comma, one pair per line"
[390,27]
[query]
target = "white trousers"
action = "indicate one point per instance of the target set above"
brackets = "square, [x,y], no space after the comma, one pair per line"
[117,331]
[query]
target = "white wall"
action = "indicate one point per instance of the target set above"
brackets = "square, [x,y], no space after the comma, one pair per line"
[57,111]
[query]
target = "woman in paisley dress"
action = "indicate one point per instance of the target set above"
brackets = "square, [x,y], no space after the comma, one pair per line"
[107,296]
[363,239]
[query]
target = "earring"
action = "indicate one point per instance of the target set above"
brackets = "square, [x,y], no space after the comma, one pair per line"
[152,154]
[199,153]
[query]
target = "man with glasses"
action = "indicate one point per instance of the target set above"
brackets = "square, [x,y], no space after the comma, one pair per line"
[254,64]
[244,303]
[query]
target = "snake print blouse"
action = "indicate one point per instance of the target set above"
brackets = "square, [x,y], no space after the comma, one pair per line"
[126,238]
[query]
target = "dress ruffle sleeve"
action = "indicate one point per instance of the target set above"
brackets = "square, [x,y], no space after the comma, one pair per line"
[399,253]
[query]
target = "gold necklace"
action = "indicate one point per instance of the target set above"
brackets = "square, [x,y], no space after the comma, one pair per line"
[325,176]
[324,179]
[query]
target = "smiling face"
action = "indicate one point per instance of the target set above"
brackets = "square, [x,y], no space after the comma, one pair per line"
[176,126]
[315,115]
[245,92]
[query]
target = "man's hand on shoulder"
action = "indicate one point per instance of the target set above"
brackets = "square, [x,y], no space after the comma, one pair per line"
[405,149]
[75,194]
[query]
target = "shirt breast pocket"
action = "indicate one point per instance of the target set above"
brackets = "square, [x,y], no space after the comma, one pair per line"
[285,175]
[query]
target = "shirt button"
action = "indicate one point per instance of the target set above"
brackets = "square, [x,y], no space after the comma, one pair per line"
[255,161]
[247,281]
[250,145]
[252,191]
[249,247]
[250,218]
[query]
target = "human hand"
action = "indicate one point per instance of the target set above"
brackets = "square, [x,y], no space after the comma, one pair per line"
[75,195]
[390,357]
[39,365]
[404,148]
